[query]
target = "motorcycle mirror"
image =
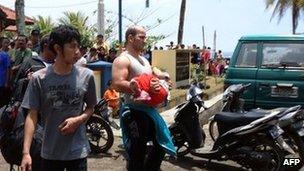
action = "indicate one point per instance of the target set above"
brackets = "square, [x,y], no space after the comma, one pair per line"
[193,91]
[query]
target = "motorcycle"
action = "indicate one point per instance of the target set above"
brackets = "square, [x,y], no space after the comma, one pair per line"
[233,115]
[99,130]
[258,145]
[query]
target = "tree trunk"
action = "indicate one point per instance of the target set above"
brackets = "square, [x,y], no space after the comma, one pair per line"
[20,17]
[181,22]
[295,16]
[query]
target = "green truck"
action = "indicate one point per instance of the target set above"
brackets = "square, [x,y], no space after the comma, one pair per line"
[274,65]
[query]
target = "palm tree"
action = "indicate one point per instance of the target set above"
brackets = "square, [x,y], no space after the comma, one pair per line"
[45,25]
[181,22]
[282,5]
[20,16]
[80,21]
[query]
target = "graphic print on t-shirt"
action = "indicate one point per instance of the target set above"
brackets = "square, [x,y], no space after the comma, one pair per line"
[63,96]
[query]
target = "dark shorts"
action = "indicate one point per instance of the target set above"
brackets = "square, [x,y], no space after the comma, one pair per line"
[60,165]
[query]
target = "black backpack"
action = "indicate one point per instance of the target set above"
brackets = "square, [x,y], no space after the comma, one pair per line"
[12,133]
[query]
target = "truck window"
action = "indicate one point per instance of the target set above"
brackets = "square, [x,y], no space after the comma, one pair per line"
[247,55]
[288,55]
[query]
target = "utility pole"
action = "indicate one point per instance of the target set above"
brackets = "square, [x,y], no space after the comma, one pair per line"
[100,17]
[203,32]
[120,21]
[214,44]
[147,3]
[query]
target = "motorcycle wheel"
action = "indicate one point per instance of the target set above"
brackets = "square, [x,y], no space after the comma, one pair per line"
[213,130]
[179,140]
[276,153]
[296,142]
[183,150]
[100,134]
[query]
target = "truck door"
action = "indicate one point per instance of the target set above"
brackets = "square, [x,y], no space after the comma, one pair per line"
[280,78]
[243,70]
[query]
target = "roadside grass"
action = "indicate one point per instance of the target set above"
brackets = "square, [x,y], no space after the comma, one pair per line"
[215,84]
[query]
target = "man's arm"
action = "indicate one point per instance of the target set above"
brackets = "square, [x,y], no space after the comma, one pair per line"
[120,72]
[70,125]
[29,129]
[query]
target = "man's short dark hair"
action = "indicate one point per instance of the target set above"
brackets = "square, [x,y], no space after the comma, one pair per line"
[100,36]
[22,35]
[63,34]
[35,32]
[44,41]
[113,50]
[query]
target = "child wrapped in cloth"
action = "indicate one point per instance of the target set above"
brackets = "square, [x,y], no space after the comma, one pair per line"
[140,86]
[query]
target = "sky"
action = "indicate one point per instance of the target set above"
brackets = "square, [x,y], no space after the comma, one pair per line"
[230,18]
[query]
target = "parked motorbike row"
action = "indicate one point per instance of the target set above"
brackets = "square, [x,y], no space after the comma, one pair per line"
[257,139]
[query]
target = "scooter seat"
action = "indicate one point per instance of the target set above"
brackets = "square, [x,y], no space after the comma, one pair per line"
[229,120]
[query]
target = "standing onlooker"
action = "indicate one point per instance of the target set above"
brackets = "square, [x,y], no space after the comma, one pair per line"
[112,55]
[219,55]
[112,96]
[59,93]
[206,55]
[139,123]
[93,55]
[35,39]
[20,54]
[101,43]
[102,53]
[82,61]
[32,65]
[5,44]
[4,73]
[171,45]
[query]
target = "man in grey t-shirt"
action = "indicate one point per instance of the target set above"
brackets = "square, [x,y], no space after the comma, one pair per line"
[58,94]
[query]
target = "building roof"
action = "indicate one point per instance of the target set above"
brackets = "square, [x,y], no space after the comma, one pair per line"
[11,16]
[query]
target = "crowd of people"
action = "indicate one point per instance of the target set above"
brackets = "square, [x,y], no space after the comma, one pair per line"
[213,63]
[47,76]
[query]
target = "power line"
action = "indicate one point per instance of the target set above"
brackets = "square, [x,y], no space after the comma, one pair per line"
[63,6]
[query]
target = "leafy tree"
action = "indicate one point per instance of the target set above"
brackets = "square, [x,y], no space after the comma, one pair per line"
[45,25]
[80,21]
[280,7]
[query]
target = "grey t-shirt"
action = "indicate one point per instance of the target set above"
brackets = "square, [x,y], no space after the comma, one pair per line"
[56,98]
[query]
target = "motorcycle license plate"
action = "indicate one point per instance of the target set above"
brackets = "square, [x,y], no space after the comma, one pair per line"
[276,131]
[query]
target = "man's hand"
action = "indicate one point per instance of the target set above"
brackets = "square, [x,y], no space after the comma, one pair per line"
[69,126]
[15,68]
[26,163]
[154,85]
